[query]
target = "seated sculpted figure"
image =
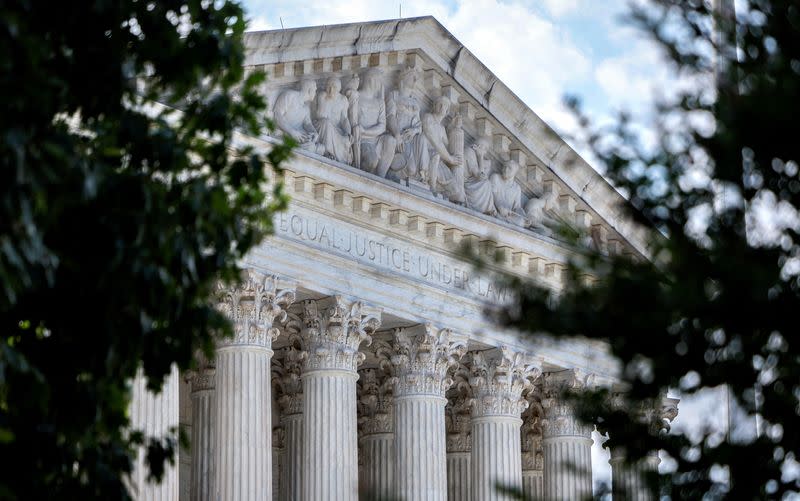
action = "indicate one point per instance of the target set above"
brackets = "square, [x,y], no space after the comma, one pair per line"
[403,122]
[538,212]
[333,123]
[376,145]
[477,187]
[446,170]
[293,115]
[507,194]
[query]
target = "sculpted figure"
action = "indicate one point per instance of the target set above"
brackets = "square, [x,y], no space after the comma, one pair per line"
[376,145]
[477,187]
[351,92]
[333,123]
[403,121]
[446,170]
[507,194]
[537,212]
[293,115]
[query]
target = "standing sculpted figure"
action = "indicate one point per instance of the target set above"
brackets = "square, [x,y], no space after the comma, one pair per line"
[333,122]
[446,171]
[293,115]
[351,92]
[477,187]
[376,145]
[507,194]
[403,121]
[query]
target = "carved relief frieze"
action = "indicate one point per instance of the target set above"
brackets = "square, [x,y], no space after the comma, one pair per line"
[393,116]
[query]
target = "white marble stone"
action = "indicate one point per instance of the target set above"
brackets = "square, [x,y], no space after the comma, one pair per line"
[202,439]
[243,414]
[154,414]
[422,360]
[331,334]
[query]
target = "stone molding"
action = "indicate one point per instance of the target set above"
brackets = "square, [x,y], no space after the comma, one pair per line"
[499,376]
[422,360]
[252,306]
[332,331]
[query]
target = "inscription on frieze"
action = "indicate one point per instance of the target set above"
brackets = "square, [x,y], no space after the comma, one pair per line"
[388,253]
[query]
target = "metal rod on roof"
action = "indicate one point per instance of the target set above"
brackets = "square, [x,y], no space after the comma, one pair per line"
[281,21]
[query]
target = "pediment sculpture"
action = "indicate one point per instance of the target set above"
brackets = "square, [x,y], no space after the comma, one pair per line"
[354,120]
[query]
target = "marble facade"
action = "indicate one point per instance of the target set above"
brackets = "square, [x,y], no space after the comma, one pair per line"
[364,363]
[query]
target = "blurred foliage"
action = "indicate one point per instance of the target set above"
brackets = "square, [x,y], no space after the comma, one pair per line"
[118,215]
[716,303]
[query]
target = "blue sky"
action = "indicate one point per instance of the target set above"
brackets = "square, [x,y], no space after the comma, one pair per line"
[541,49]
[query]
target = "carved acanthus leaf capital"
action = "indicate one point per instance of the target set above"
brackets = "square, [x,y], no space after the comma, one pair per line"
[559,414]
[422,360]
[286,371]
[375,401]
[253,305]
[332,331]
[458,422]
[499,376]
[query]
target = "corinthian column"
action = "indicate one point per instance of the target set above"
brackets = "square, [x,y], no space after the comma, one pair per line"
[498,378]
[155,414]
[629,480]
[202,444]
[421,362]
[567,442]
[532,456]
[286,375]
[243,393]
[459,438]
[377,434]
[332,332]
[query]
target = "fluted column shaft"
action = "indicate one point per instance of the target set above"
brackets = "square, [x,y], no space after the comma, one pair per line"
[244,428]
[331,334]
[566,443]
[154,414]
[459,476]
[629,481]
[202,441]
[377,471]
[420,455]
[532,484]
[243,416]
[292,461]
[330,441]
[422,360]
[499,377]
[496,456]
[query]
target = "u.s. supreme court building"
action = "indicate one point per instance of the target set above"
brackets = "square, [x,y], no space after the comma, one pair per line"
[364,364]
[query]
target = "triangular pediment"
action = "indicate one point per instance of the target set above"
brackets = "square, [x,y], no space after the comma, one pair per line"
[434,119]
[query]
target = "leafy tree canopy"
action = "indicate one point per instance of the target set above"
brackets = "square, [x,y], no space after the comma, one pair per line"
[717,302]
[117,217]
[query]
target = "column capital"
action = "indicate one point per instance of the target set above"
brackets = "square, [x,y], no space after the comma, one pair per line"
[531,434]
[422,359]
[498,378]
[332,331]
[559,415]
[252,306]
[286,370]
[374,401]
[458,422]
[202,378]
